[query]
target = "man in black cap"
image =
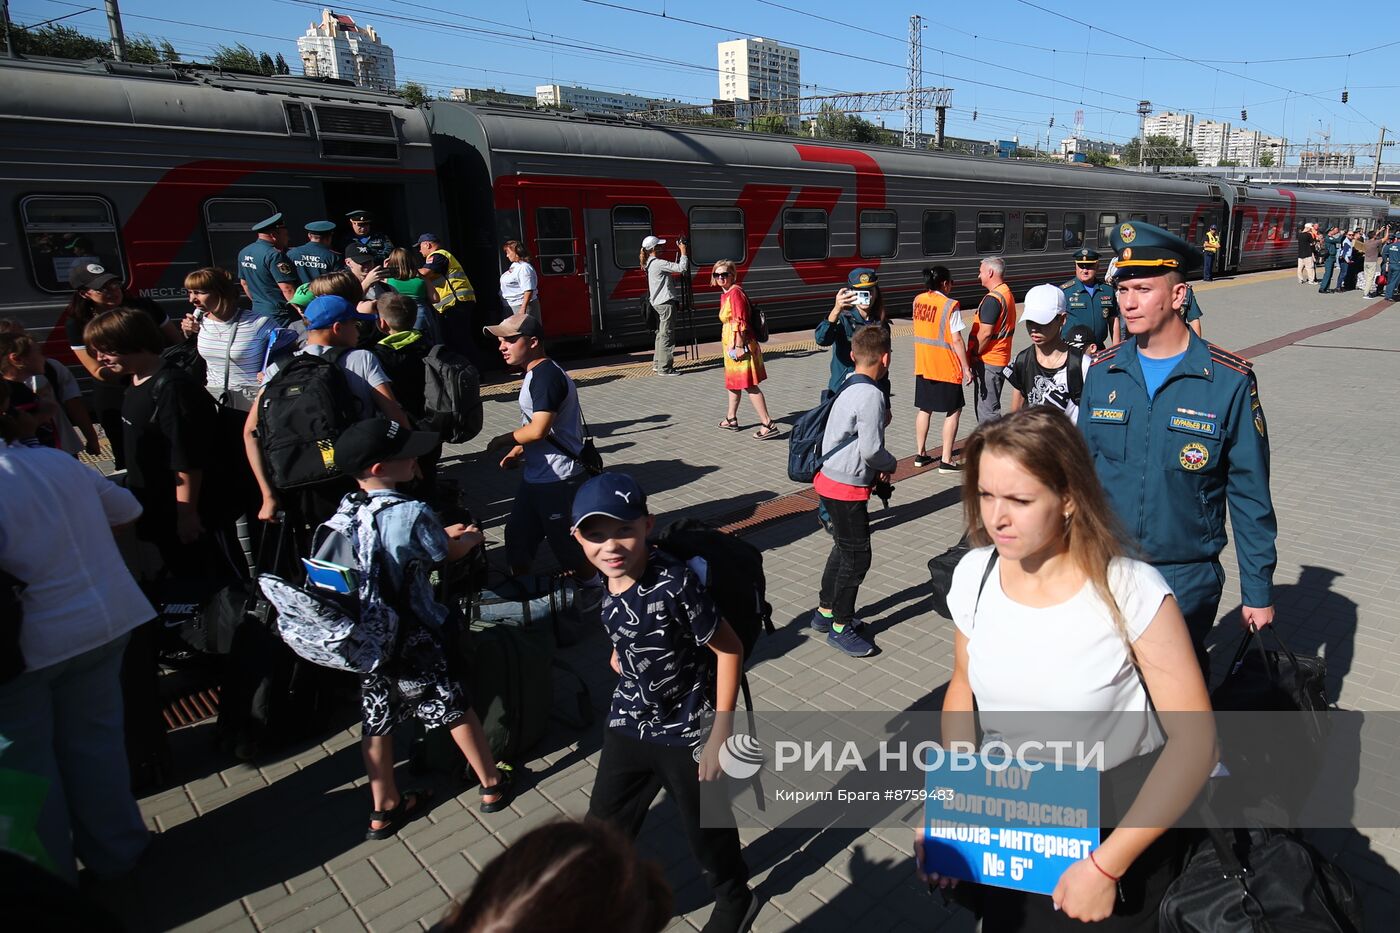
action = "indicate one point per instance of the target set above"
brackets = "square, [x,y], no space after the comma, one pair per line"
[362,233]
[1210,250]
[268,276]
[1177,432]
[1091,303]
[315,258]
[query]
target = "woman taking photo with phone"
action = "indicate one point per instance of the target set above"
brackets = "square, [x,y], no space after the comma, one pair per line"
[743,360]
[857,305]
[1052,616]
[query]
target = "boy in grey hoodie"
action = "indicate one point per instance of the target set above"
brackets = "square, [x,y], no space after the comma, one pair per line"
[855,437]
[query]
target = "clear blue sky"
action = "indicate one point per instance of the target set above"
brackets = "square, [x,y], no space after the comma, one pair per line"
[1016,63]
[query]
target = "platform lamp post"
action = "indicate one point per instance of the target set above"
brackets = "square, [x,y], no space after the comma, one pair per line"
[1144,108]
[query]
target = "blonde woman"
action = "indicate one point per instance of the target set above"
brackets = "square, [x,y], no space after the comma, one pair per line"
[1052,616]
[743,360]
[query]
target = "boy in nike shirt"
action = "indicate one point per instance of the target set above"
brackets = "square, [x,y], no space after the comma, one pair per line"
[679,665]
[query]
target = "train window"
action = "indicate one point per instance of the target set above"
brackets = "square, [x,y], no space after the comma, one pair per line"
[228,223]
[804,234]
[630,225]
[1141,217]
[1073,235]
[1164,222]
[63,232]
[991,232]
[1106,224]
[879,234]
[716,233]
[940,233]
[554,240]
[1035,230]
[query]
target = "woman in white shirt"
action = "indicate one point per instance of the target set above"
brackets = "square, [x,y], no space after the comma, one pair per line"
[520,288]
[1054,617]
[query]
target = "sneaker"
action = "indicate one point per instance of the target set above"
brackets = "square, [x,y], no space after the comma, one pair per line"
[923,460]
[850,642]
[945,467]
[736,916]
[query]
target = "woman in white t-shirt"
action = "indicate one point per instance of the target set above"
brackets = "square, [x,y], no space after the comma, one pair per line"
[1053,617]
[520,288]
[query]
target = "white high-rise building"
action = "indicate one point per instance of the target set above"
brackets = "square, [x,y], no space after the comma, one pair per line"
[337,48]
[1176,126]
[760,69]
[1210,142]
[1242,148]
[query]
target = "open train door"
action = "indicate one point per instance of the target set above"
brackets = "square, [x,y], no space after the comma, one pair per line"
[553,220]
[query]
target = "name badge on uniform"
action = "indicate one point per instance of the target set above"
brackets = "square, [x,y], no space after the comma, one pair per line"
[1112,415]
[1193,425]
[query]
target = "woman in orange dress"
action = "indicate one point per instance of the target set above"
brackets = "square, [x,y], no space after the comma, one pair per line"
[743,360]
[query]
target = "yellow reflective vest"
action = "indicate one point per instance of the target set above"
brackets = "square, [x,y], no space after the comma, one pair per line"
[455,287]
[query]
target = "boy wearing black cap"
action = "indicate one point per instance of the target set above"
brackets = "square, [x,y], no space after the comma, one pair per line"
[547,445]
[418,682]
[679,665]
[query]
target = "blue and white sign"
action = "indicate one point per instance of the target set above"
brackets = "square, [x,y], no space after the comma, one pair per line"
[1013,824]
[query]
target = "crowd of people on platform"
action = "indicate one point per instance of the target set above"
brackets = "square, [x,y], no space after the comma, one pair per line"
[1344,261]
[1120,413]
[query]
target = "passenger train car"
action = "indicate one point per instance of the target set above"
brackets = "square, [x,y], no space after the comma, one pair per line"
[160,169]
[157,170]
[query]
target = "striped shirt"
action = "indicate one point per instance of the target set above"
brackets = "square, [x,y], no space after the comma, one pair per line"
[235,346]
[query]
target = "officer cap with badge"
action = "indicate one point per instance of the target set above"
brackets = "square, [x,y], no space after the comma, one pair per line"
[1145,250]
[269,224]
[1086,257]
[359,215]
[320,226]
[863,278]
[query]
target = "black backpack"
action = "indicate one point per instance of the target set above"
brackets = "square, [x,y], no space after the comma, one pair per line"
[451,396]
[734,580]
[185,357]
[302,410]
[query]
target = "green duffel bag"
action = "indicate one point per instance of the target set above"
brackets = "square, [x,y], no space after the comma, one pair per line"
[508,670]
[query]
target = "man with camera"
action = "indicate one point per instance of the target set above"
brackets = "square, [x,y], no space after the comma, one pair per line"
[663,299]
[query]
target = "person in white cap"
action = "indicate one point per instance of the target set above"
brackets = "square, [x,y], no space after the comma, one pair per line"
[663,299]
[1049,371]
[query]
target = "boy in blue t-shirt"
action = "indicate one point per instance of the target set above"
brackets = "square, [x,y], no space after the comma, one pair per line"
[679,666]
[419,683]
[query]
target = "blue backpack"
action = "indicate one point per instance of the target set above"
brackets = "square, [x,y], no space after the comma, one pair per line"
[805,455]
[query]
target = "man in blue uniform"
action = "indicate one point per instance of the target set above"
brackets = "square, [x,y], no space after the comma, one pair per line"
[1390,265]
[362,233]
[1091,302]
[268,276]
[1176,431]
[315,258]
[1333,243]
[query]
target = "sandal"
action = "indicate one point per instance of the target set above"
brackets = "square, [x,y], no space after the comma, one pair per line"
[412,804]
[768,431]
[730,424]
[503,790]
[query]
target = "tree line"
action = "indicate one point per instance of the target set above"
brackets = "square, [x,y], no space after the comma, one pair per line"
[59,41]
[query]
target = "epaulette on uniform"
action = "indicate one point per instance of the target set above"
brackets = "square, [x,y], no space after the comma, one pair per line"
[1066,286]
[1104,355]
[1232,360]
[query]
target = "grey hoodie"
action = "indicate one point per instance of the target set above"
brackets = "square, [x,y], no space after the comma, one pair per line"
[858,410]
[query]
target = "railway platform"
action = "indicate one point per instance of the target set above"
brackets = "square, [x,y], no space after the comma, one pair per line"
[277,844]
